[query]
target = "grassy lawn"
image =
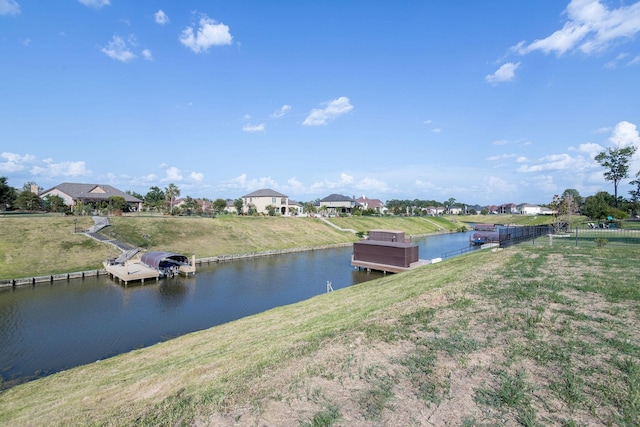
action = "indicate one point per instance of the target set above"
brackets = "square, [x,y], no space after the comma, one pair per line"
[508,219]
[42,245]
[410,225]
[530,335]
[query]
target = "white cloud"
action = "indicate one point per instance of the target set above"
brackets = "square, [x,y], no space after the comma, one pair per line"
[118,49]
[9,7]
[625,133]
[505,73]
[295,186]
[426,185]
[160,17]
[146,54]
[253,128]
[590,27]
[501,142]
[496,185]
[344,182]
[501,157]
[546,183]
[281,111]
[372,184]
[173,174]
[208,34]
[14,162]
[242,183]
[551,162]
[635,60]
[332,110]
[590,149]
[52,169]
[95,3]
[197,176]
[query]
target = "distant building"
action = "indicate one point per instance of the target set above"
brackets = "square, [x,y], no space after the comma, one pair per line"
[508,208]
[375,204]
[529,209]
[263,198]
[435,210]
[338,204]
[294,208]
[455,210]
[90,194]
[231,207]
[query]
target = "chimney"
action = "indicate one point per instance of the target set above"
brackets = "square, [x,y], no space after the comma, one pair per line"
[34,188]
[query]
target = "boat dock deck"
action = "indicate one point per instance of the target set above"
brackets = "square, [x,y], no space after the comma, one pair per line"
[386,268]
[131,271]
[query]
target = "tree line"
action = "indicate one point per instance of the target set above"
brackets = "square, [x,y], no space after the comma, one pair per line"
[615,160]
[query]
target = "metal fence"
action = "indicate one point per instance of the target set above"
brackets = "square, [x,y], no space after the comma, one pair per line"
[584,236]
[513,235]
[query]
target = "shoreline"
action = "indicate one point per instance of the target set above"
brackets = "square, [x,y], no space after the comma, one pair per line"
[51,278]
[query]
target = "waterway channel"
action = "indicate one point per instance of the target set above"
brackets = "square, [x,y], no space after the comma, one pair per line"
[51,327]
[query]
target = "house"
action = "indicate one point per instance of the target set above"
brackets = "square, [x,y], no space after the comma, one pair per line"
[435,210]
[231,207]
[455,210]
[529,209]
[338,204]
[90,194]
[373,204]
[508,208]
[295,208]
[261,199]
[547,211]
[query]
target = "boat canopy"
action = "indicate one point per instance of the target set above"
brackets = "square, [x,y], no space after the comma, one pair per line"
[161,259]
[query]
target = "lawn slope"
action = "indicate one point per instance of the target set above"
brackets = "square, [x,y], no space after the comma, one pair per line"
[35,246]
[531,335]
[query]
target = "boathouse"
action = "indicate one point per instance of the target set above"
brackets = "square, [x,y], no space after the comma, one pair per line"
[167,263]
[386,250]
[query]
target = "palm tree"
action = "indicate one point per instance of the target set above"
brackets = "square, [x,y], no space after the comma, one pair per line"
[171,192]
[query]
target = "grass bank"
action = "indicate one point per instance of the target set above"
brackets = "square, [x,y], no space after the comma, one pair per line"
[41,245]
[507,219]
[531,335]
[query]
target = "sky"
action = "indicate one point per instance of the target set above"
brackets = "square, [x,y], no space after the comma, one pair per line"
[485,102]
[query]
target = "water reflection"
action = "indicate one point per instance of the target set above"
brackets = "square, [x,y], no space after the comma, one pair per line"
[51,327]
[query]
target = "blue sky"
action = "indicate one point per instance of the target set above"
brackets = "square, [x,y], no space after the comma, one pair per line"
[486,102]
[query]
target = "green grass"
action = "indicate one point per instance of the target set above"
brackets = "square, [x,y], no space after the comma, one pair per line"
[42,245]
[531,335]
[507,219]
[410,225]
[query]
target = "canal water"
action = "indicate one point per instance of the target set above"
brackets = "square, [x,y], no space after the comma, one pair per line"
[47,328]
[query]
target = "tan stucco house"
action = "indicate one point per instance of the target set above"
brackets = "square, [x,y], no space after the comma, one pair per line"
[90,194]
[260,199]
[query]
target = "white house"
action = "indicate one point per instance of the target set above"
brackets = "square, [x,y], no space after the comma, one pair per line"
[529,209]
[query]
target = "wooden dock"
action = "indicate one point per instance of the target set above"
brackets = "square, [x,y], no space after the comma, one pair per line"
[131,271]
[386,268]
